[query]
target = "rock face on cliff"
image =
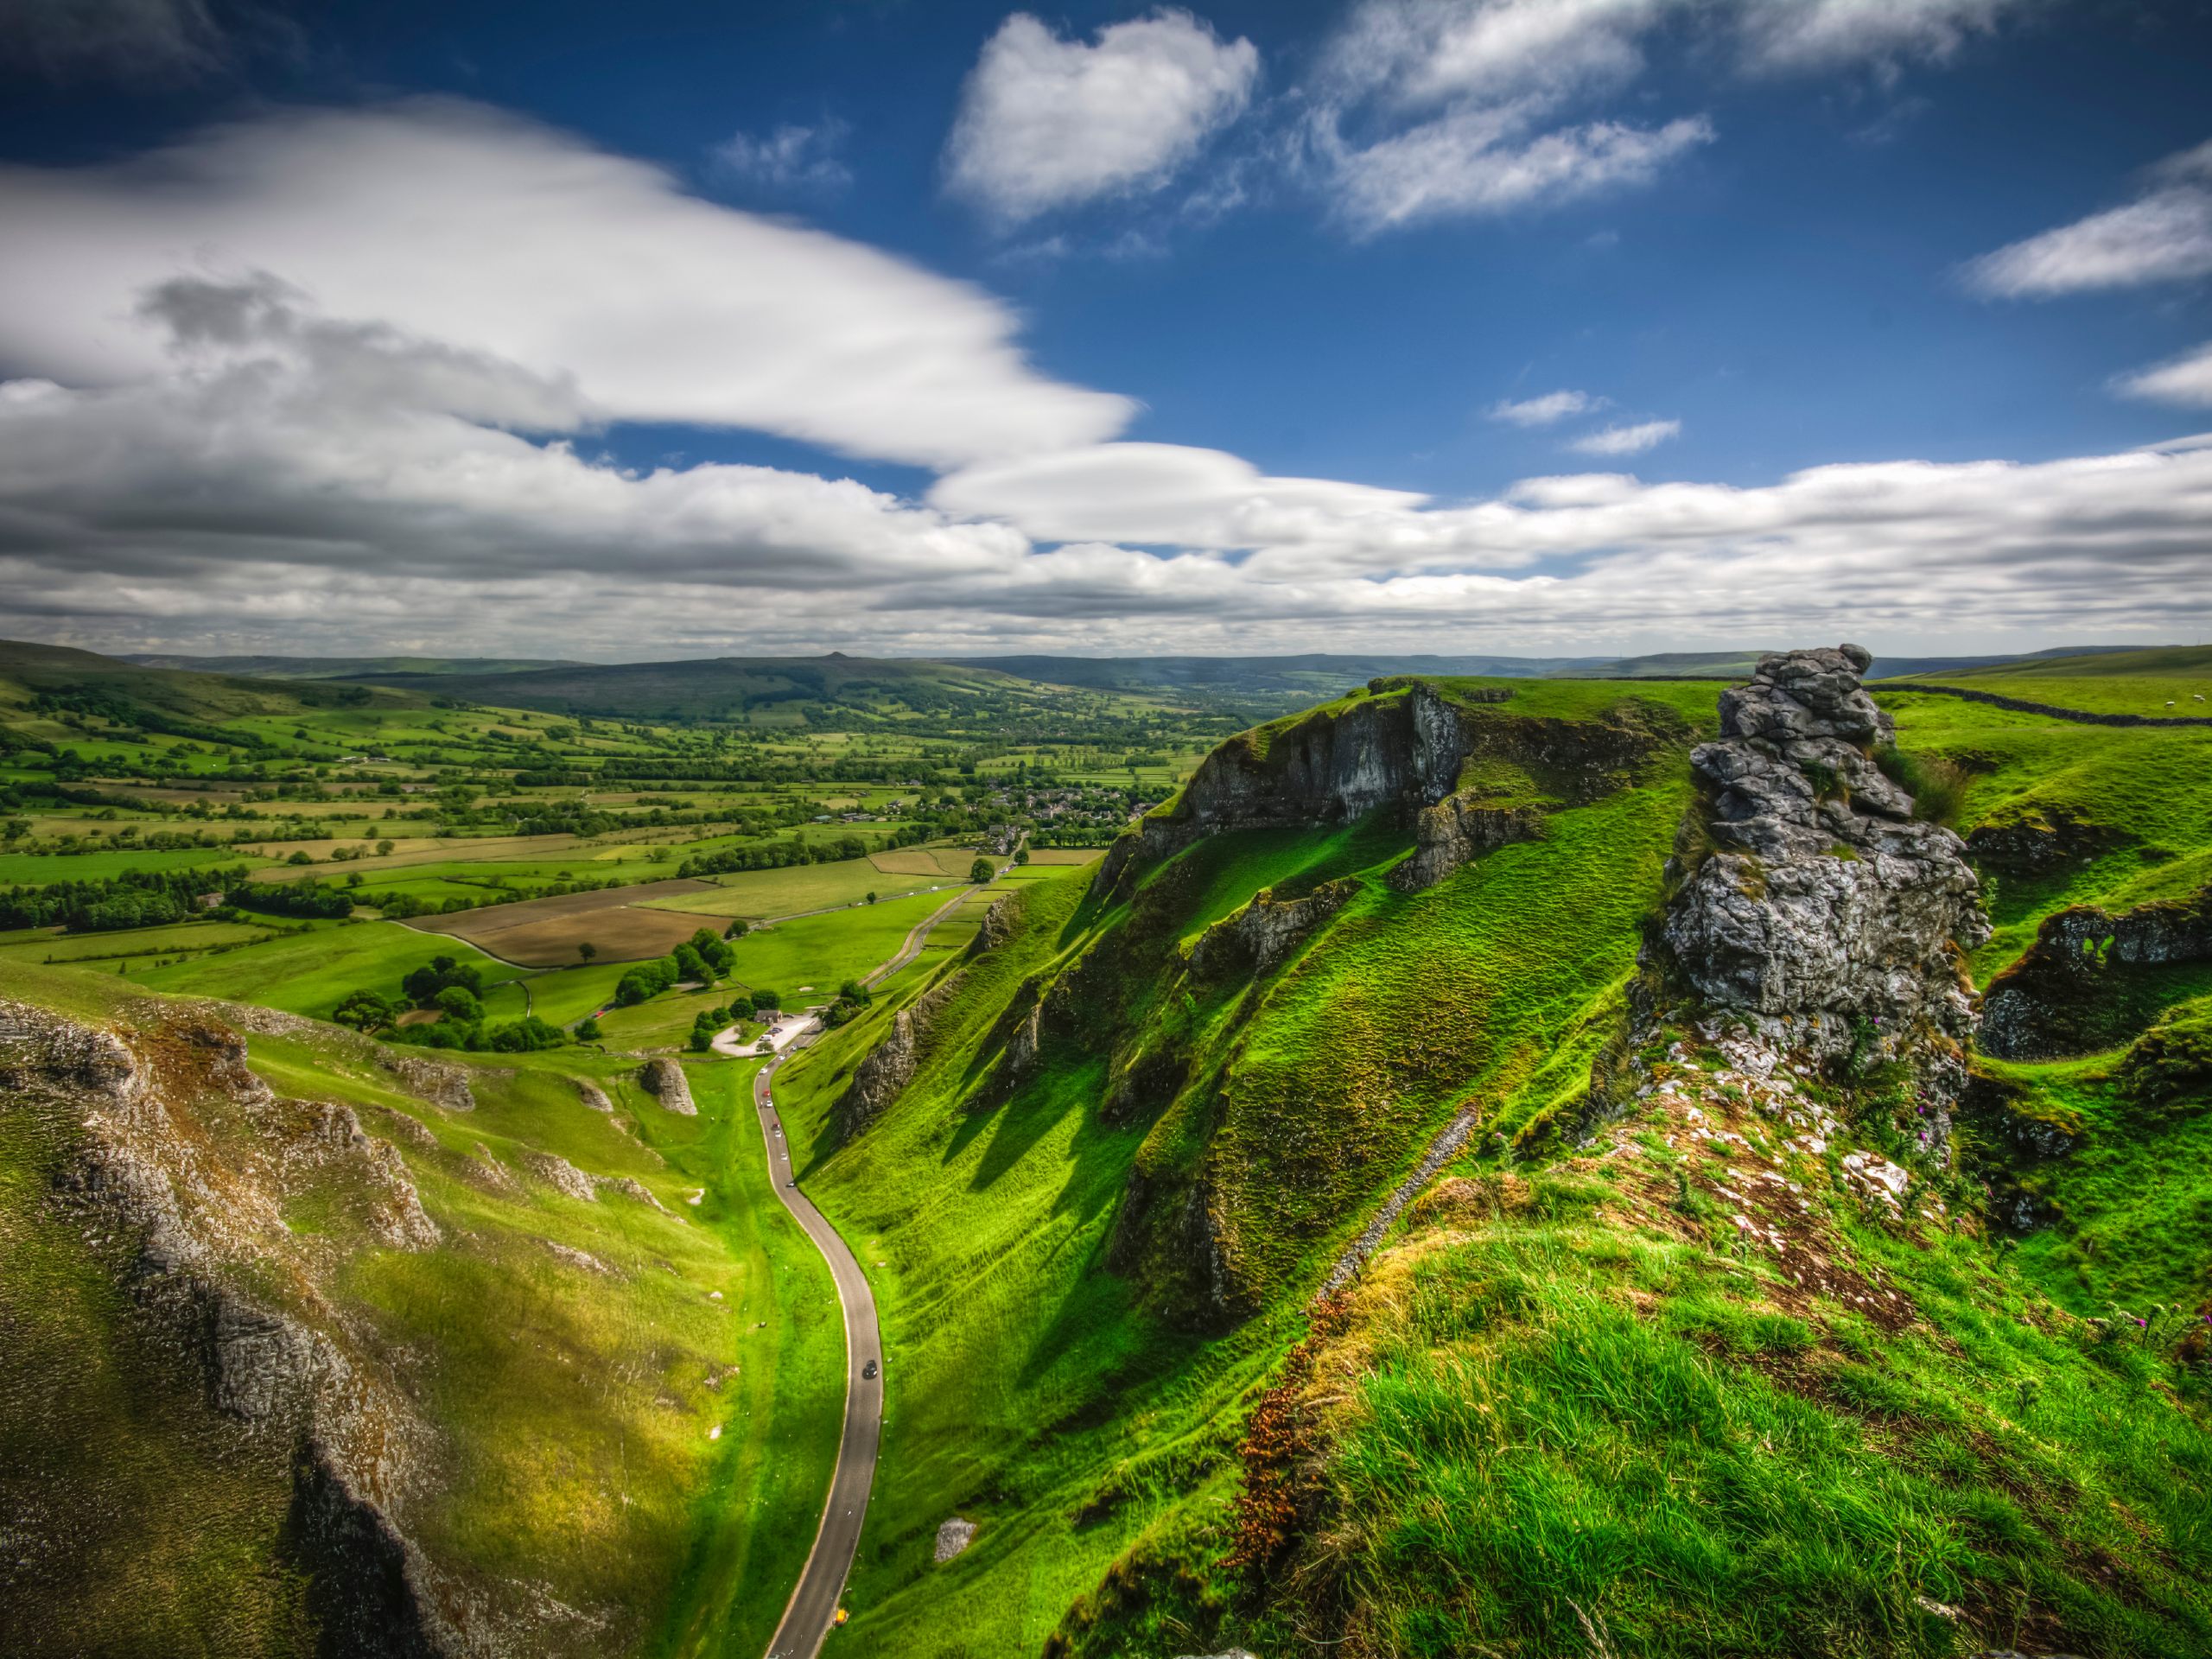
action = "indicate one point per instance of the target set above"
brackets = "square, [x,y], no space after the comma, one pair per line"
[1267,930]
[1330,768]
[1823,900]
[1457,830]
[891,1064]
[169,1149]
[2066,995]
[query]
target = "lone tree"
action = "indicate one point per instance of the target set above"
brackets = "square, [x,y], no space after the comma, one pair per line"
[587,949]
[1021,855]
[981,870]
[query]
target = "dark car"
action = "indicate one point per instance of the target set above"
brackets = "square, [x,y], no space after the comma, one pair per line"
[868,1371]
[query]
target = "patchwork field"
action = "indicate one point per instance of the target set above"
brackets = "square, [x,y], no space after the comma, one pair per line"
[924,860]
[545,932]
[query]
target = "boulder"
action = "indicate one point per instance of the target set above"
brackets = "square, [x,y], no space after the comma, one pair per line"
[665,1081]
[879,1079]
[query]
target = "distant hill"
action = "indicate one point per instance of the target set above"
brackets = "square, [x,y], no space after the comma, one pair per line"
[719,688]
[2094,661]
[348,668]
[1738,664]
[28,669]
[1311,674]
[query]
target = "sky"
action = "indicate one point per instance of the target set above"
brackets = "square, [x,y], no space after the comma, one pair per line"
[1550,326]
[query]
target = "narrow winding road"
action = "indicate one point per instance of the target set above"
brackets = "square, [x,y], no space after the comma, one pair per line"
[810,1614]
[813,1606]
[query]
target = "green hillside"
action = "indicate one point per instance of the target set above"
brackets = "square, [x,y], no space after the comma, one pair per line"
[1327,1223]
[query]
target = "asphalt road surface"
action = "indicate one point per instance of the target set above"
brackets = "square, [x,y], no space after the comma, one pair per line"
[809,1615]
[813,1606]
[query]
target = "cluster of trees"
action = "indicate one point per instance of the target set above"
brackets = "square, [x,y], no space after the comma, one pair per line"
[760,1005]
[455,990]
[702,957]
[853,998]
[309,899]
[781,855]
[134,899]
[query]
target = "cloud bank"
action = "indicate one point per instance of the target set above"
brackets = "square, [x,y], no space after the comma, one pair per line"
[332,381]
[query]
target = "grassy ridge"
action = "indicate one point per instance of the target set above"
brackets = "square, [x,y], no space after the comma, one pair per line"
[572,1404]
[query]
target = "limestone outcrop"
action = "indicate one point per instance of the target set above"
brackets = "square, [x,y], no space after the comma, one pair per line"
[1330,768]
[1822,899]
[2058,998]
[1264,932]
[1457,830]
[665,1081]
[891,1064]
[998,924]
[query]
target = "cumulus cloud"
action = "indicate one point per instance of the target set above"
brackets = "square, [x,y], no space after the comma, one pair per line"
[1427,109]
[1627,440]
[1046,122]
[1546,410]
[456,224]
[2164,235]
[792,157]
[2186,380]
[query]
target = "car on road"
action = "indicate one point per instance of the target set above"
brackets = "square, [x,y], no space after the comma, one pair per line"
[868,1371]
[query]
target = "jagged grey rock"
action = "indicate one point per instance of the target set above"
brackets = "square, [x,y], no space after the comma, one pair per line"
[1265,931]
[997,925]
[665,1081]
[1823,896]
[562,1176]
[593,1095]
[953,1537]
[879,1079]
[440,1083]
[2045,1005]
[1457,830]
[891,1064]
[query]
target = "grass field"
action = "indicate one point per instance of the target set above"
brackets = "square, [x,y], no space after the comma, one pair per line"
[33,869]
[2146,795]
[824,951]
[758,894]
[2120,683]
[180,938]
[311,973]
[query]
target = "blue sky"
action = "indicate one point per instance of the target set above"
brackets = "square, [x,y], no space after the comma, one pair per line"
[1107,329]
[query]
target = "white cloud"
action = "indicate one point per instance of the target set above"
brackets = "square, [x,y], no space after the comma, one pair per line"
[1627,440]
[2186,380]
[458,225]
[1045,122]
[1163,493]
[791,158]
[2164,236]
[1804,34]
[1427,109]
[1471,162]
[1546,410]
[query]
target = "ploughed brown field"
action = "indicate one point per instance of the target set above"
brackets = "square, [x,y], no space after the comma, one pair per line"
[544,932]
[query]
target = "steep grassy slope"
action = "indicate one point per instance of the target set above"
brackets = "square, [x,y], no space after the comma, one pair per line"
[1693,1386]
[1094,1238]
[527,1332]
